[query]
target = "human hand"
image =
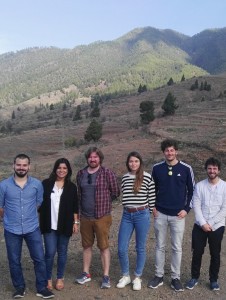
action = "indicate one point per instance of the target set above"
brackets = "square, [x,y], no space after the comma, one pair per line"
[206,227]
[75,228]
[1,212]
[155,212]
[182,214]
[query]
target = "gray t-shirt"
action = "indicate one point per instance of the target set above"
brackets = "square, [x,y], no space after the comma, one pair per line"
[88,189]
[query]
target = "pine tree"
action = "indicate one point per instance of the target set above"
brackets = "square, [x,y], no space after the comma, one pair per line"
[77,115]
[146,111]
[13,115]
[142,88]
[196,84]
[169,105]
[170,82]
[93,132]
[64,107]
[95,113]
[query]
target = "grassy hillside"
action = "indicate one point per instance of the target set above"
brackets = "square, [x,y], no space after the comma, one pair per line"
[143,56]
[199,124]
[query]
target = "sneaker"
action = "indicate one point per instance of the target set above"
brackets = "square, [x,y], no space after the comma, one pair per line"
[85,277]
[176,285]
[214,286]
[19,293]
[155,282]
[191,284]
[45,294]
[137,284]
[123,282]
[105,282]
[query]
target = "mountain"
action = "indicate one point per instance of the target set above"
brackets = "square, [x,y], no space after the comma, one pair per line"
[208,50]
[143,56]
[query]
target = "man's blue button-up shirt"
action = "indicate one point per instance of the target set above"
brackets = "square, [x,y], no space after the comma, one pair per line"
[20,204]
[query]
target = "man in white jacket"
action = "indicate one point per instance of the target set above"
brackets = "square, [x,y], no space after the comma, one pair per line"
[209,203]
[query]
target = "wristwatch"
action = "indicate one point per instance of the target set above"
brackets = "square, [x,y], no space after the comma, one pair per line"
[76,222]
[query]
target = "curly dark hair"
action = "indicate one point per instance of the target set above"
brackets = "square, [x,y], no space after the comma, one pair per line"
[169,143]
[213,162]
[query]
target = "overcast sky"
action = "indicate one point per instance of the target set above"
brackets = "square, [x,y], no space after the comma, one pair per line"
[69,23]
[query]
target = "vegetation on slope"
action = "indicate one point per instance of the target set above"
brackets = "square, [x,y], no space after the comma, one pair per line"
[143,56]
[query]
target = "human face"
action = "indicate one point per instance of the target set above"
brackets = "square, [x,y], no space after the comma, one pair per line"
[212,172]
[93,160]
[134,164]
[61,171]
[21,167]
[170,155]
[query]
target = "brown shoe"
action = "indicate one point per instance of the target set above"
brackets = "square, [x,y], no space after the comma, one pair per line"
[59,284]
[50,285]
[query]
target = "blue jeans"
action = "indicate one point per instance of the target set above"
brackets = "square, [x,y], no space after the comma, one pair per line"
[14,248]
[176,225]
[140,222]
[55,242]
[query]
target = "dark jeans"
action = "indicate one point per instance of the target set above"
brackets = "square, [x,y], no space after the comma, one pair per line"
[14,248]
[199,240]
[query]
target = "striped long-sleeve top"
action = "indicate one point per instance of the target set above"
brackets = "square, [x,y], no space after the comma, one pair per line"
[145,196]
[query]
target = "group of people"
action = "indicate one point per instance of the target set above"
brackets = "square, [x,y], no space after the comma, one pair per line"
[56,208]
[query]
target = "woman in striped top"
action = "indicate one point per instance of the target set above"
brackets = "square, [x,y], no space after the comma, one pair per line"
[138,199]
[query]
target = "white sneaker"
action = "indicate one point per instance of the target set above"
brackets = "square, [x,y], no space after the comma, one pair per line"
[137,284]
[123,282]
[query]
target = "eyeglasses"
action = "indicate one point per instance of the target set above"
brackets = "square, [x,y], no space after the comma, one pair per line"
[170,172]
[89,178]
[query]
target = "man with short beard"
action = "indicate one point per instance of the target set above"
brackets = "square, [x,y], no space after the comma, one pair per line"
[209,203]
[20,196]
[97,187]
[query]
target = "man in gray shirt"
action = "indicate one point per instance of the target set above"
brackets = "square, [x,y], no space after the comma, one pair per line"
[97,188]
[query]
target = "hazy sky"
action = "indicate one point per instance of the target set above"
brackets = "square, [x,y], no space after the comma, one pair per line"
[69,23]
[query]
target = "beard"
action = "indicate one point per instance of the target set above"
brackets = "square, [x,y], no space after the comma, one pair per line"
[93,165]
[19,174]
[212,176]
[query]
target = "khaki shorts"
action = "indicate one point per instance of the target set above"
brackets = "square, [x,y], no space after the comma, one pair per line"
[95,227]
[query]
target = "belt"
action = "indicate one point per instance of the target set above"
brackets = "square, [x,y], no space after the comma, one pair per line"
[134,209]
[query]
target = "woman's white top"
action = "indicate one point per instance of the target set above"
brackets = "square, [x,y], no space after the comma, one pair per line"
[55,204]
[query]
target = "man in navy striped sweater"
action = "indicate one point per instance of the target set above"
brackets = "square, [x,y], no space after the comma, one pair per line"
[174,183]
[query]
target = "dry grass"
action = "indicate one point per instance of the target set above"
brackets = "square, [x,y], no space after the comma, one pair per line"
[199,125]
